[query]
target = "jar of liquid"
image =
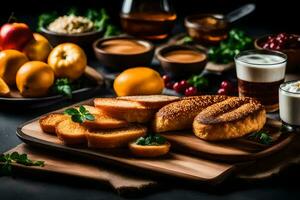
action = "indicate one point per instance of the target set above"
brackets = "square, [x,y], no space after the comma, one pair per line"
[149,19]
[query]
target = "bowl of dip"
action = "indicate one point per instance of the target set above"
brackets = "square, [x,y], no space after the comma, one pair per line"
[289,102]
[181,61]
[74,29]
[123,52]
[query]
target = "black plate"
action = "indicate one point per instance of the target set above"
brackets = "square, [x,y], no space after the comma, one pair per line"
[77,95]
[80,94]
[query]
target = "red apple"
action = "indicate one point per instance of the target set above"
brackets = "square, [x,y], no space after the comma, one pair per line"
[15,36]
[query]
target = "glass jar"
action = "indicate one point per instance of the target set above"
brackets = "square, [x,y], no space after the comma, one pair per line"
[149,19]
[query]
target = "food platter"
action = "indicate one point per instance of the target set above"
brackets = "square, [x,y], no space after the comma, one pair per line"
[202,166]
[17,101]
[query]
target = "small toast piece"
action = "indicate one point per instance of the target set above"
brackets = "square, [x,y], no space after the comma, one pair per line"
[151,101]
[104,121]
[123,109]
[114,138]
[180,115]
[149,150]
[232,118]
[71,133]
[49,122]
[93,110]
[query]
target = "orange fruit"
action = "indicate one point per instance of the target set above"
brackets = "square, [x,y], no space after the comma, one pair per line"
[68,60]
[34,79]
[10,62]
[4,89]
[138,81]
[38,49]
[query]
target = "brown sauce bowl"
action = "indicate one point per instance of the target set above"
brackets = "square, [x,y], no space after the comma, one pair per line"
[119,61]
[207,33]
[180,69]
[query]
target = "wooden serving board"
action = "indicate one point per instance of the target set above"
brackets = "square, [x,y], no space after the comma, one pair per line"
[174,164]
[242,149]
[195,167]
[81,168]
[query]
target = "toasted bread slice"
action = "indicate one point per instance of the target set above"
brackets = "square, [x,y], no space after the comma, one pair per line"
[103,121]
[71,133]
[93,110]
[149,151]
[123,109]
[151,101]
[115,137]
[180,115]
[232,118]
[49,122]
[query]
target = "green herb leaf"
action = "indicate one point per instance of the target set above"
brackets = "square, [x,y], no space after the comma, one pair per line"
[262,137]
[7,159]
[198,81]
[82,109]
[72,12]
[151,140]
[79,115]
[185,40]
[71,111]
[63,86]
[140,141]
[111,30]
[77,118]
[39,163]
[225,52]
[45,19]
[89,117]
[14,156]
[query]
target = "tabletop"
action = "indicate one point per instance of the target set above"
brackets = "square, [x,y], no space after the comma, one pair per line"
[26,186]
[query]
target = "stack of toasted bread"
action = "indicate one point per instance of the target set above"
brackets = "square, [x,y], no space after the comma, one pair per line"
[119,121]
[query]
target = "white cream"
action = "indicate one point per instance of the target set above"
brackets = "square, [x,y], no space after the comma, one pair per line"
[293,87]
[289,103]
[260,67]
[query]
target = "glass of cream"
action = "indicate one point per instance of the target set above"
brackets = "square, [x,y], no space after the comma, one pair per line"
[289,102]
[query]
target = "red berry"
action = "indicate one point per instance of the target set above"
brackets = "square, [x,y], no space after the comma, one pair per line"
[166,79]
[184,85]
[177,87]
[272,45]
[169,85]
[226,85]
[191,91]
[266,46]
[222,91]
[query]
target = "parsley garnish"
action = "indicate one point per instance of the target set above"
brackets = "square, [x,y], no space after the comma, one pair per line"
[7,159]
[199,81]
[79,115]
[262,137]
[151,140]
[63,86]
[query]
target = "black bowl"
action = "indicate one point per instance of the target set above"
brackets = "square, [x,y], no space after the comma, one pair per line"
[180,69]
[123,61]
[84,40]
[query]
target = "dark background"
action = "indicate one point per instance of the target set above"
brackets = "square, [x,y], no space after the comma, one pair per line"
[269,17]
